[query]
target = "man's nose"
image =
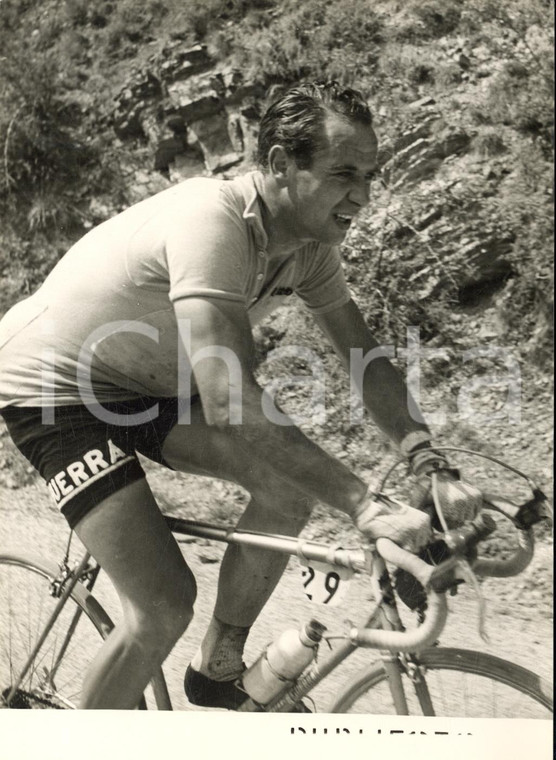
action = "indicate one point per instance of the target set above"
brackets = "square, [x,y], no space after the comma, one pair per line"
[360,192]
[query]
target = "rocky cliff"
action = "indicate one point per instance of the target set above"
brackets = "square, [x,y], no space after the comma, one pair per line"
[106,105]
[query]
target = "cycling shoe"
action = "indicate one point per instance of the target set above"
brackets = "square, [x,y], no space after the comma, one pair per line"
[206,692]
[203,691]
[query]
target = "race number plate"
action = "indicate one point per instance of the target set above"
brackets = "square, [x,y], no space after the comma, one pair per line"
[324,583]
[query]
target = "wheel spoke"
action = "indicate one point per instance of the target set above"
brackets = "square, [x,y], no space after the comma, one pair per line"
[25,607]
[461,684]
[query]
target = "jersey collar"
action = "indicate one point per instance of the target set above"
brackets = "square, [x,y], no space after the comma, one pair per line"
[249,184]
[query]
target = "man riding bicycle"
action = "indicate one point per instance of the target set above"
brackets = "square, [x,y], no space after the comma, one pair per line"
[140,340]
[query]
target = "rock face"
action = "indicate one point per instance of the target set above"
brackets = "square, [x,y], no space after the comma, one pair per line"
[194,116]
[430,158]
[421,149]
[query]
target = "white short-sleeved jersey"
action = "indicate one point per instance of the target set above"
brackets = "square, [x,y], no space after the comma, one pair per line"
[102,325]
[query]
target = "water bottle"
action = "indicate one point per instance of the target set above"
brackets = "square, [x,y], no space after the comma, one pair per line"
[281,663]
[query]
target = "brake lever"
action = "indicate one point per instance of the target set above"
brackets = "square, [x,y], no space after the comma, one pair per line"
[466,573]
[463,540]
[462,544]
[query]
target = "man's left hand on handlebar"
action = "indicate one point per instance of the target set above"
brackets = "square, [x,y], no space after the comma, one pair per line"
[459,501]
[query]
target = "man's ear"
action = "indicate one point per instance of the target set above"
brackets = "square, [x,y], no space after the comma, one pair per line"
[279,163]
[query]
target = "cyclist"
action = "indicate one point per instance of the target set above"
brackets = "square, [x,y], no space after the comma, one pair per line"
[96,368]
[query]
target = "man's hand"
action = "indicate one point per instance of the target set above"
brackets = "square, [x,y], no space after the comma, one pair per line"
[459,501]
[407,527]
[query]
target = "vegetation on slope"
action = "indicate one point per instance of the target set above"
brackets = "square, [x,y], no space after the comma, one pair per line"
[485,64]
[63,61]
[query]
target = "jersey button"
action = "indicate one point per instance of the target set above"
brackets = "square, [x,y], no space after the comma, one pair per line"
[262,254]
[260,276]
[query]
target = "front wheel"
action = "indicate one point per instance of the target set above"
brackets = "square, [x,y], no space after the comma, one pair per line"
[53,679]
[461,684]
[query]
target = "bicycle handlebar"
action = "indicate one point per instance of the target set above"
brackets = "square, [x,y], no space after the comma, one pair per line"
[523,517]
[437,608]
[437,579]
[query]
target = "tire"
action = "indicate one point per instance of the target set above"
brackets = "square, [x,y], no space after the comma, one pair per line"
[461,684]
[25,606]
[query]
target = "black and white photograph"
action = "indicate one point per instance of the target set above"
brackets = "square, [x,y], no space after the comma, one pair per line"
[276,378]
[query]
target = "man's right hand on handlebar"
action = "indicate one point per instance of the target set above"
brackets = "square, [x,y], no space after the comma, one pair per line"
[407,527]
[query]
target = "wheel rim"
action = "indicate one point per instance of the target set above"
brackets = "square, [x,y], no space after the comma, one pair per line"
[25,606]
[462,685]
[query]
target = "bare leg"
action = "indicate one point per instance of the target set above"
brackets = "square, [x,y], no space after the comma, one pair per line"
[128,536]
[247,575]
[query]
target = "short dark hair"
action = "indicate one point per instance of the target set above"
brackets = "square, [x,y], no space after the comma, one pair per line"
[295,120]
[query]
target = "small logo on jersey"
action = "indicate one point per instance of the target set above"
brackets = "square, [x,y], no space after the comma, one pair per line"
[92,465]
[282,292]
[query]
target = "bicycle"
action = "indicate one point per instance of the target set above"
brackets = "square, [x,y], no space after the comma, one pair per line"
[42,660]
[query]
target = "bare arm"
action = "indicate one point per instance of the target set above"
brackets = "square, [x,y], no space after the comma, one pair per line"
[383,390]
[231,395]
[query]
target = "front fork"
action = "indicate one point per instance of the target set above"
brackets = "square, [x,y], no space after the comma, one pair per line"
[398,664]
[87,576]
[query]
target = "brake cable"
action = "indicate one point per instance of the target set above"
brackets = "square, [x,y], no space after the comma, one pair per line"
[461,450]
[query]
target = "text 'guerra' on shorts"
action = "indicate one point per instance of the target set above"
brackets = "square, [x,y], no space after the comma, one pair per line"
[86,454]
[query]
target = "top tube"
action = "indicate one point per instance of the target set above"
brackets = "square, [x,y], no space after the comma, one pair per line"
[355,559]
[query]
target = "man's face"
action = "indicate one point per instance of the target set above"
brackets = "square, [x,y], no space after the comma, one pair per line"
[324,198]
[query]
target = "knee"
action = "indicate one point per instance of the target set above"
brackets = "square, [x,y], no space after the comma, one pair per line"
[159,626]
[174,612]
[155,634]
[178,608]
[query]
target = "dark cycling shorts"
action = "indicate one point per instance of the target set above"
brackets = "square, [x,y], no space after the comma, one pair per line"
[87,455]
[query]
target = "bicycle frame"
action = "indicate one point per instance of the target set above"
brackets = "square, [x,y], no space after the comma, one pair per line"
[385,615]
[383,629]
